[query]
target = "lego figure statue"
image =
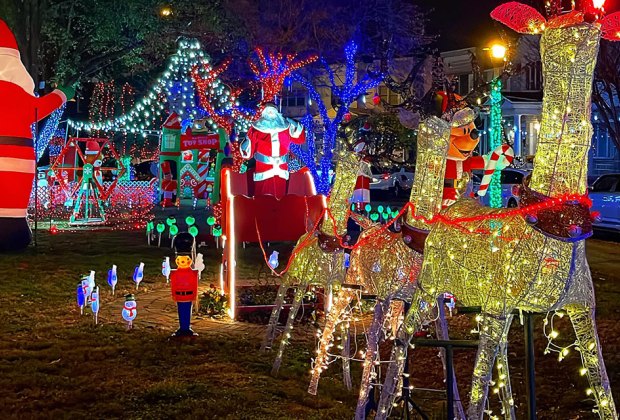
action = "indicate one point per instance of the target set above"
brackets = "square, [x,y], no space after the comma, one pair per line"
[184,285]
[268,141]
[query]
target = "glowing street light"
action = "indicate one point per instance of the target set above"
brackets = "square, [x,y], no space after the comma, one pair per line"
[498,51]
[165,11]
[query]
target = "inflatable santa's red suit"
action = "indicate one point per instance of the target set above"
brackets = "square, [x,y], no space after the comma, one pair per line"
[268,141]
[19,109]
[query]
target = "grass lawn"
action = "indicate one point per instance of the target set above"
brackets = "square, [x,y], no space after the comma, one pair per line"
[56,364]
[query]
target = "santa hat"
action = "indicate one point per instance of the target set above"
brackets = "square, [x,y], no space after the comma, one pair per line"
[8,44]
[92,148]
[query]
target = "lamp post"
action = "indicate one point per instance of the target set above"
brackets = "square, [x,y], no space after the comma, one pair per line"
[497,52]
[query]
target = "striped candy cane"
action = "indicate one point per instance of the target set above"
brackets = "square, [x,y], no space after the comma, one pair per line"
[507,155]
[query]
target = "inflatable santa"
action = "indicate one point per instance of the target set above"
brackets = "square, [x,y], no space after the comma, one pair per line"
[268,141]
[19,109]
[168,185]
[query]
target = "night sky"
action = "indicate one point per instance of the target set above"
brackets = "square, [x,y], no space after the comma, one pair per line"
[466,23]
[462,23]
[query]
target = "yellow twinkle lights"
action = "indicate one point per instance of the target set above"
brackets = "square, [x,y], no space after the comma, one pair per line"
[524,267]
[312,263]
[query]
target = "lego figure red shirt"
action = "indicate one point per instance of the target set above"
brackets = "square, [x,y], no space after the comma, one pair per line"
[184,284]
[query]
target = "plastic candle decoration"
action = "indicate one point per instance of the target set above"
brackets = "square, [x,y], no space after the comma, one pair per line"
[81,300]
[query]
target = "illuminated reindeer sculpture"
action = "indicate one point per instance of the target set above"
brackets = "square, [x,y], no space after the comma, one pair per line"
[533,258]
[318,258]
[387,264]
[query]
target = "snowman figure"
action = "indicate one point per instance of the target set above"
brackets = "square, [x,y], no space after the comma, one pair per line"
[130,310]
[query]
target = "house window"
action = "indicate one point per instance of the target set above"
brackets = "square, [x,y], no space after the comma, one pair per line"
[463,84]
[169,141]
[294,98]
[388,96]
[533,76]
[602,142]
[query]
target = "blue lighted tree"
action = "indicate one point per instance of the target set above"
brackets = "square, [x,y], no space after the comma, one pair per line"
[352,87]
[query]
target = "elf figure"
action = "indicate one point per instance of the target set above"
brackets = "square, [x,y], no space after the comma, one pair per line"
[184,284]
[168,185]
[268,141]
[19,109]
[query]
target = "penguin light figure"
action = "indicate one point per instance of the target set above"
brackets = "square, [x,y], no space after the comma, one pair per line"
[165,269]
[81,300]
[130,310]
[94,303]
[112,278]
[138,274]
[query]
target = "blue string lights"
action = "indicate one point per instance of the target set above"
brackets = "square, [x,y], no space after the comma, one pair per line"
[47,132]
[345,94]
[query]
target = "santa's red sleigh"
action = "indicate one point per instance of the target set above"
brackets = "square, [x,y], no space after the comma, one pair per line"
[264,218]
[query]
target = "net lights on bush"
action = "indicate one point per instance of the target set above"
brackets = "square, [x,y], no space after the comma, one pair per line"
[47,132]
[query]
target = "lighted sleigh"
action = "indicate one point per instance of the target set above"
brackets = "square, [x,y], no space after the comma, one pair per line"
[253,219]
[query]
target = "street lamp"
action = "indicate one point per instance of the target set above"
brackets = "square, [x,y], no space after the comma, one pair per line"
[498,51]
[165,11]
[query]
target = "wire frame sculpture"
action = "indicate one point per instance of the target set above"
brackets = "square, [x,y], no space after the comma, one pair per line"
[502,262]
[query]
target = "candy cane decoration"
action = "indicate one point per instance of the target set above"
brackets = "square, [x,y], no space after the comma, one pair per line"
[507,155]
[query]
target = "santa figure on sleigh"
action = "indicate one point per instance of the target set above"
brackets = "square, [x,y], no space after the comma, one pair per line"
[268,141]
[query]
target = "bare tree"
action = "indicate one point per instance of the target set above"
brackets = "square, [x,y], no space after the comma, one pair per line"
[606,89]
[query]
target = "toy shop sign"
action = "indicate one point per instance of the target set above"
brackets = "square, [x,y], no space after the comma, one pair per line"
[206,141]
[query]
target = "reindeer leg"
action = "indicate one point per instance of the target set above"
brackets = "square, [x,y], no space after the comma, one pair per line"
[490,336]
[396,366]
[346,355]
[370,356]
[505,387]
[334,316]
[441,327]
[286,335]
[582,318]
[272,327]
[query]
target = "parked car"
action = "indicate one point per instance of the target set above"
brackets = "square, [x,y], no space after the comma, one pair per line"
[403,181]
[605,196]
[381,180]
[510,179]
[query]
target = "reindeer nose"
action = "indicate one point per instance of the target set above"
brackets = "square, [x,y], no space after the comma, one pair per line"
[474,134]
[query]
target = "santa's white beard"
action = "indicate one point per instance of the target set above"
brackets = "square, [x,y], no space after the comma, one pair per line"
[12,70]
[276,124]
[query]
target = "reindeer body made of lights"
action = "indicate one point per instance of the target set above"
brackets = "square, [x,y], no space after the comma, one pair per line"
[317,259]
[504,261]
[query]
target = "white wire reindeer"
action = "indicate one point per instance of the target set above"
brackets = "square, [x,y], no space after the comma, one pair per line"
[503,260]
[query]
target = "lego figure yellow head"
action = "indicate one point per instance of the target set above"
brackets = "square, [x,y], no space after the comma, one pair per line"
[183,261]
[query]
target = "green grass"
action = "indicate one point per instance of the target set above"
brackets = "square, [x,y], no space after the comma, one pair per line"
[56,364]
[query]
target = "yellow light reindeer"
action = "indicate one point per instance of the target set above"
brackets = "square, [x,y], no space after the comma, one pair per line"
[318,258]
[502,259]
